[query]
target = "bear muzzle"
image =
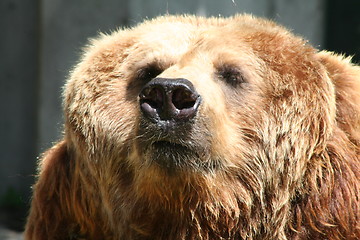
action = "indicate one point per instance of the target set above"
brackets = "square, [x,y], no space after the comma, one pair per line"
[166,131]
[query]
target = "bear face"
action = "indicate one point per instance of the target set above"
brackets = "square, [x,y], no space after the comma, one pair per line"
[242,94]
[195,128]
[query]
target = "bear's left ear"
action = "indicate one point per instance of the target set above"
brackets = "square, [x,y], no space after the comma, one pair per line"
[346,79]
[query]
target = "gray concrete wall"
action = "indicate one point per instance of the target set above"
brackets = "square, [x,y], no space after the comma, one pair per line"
[19,54]
[41,40]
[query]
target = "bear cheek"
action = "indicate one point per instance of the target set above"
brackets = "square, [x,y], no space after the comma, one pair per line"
[103,123]
[223,129]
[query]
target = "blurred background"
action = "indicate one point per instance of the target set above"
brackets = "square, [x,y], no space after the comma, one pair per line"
[40,40]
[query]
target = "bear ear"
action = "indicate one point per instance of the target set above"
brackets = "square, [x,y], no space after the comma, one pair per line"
[51,195]
[345,77]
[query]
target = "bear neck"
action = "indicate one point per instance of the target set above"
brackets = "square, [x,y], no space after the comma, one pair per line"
[191,209]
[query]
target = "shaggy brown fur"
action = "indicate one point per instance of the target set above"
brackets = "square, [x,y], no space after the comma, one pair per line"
[271,153]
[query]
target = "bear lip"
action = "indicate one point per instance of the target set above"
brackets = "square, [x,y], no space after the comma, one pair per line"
[170,145]
[165,130]
[164,143]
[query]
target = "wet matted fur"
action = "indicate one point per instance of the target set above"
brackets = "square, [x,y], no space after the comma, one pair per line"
[263,142]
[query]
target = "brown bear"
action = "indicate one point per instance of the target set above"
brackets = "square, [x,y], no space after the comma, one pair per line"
[204,128]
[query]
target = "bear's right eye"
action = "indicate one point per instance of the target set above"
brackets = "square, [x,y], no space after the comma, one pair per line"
[149,72]
[231,75]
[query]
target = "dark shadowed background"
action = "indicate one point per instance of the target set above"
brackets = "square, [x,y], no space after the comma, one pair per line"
[40,40]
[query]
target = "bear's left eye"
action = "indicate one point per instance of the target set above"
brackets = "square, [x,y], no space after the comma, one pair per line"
[231,75]
[149,72]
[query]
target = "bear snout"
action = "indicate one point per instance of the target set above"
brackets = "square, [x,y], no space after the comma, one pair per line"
[164,99]
[166,131]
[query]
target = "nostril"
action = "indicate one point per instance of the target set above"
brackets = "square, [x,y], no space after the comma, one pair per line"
[152,96]
[151,100]
[183,98]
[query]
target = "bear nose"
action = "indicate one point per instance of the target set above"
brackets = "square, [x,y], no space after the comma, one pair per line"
[167,99]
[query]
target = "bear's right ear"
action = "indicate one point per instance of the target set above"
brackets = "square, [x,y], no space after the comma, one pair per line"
[51,196]
[346,79]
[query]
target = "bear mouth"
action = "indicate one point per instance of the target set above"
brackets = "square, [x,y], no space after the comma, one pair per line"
[172,156]
[168,145]
[173,146]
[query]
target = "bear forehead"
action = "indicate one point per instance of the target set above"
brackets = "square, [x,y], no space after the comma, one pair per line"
[205,45]
[172,39]
[179,38]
